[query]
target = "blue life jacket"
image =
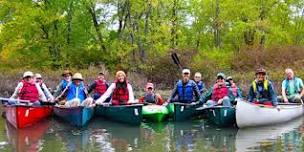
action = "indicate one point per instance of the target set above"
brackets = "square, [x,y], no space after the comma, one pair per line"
[64,84]
[185,92]
[200,86]
[150,98]
[72,92]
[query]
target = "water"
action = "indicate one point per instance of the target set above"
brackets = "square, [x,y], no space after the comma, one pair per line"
[54,135]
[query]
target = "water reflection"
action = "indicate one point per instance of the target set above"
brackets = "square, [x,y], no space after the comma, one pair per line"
[28,139]
[270,138]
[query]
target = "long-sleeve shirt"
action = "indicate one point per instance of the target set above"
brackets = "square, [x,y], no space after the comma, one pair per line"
[110,91]
[262,93]
[19,87]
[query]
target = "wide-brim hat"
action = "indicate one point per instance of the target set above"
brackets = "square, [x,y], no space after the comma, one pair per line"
[28,74]
[260,70]
[38,76]
[77,76]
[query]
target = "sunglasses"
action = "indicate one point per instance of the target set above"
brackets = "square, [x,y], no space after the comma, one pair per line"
[186,73]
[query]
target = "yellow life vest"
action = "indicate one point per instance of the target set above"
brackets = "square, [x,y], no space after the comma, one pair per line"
[254,85]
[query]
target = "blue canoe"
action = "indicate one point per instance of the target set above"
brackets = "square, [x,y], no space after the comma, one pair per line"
[77,116]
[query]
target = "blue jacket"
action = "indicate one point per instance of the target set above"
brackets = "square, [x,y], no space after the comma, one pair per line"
[260,93]
[76,92]
[186,92]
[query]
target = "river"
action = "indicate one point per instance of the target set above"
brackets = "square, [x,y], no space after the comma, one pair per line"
[53,135]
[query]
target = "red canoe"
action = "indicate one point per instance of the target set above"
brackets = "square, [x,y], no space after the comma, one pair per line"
[21,116]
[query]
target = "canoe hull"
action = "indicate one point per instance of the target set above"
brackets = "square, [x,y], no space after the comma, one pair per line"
[76,116]
[129,114]
[251,115]
[221,116]
[183,112]
[21,116]
[155,113]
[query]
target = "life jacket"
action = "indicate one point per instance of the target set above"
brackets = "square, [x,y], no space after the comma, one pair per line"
[185,92]
[120,95]
[200,86]
[234,89]
[219,92]
[101,87]
[29,92]
[64,84]
[150,98]
[76,92]
[264,93]
[297,86]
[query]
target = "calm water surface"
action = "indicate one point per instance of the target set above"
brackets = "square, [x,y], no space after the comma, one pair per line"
[100,135]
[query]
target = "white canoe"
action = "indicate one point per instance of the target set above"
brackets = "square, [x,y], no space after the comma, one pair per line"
[247,138]
[251,115]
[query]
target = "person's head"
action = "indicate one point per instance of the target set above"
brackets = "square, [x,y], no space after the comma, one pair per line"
[289,73]
[28,76]
[197,77]
[149,87]
[220,78]
[38,78]
[186,75]
[77,79]
[101,76]
[120,76]
[67,75]
[260,74]
[229,79]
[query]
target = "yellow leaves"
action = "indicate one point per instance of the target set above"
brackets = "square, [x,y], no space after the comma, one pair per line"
[11,48]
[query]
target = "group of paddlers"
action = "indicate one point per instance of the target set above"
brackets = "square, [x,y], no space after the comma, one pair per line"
[72,91]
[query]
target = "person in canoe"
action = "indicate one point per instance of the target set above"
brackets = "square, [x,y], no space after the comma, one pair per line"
[236,91]
[198,80]
[121,90]
[99,86]
[44,88]
[261,90]
[67,78]
[292,88]
[75,94]
[27,89]
[150,97]
[219,93]
[186,90]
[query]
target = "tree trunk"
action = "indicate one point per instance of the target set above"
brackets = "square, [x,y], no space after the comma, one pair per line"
[216,33]
[174,18]
[69,20]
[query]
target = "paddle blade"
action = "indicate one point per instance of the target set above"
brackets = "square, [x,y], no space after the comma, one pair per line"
[176,59]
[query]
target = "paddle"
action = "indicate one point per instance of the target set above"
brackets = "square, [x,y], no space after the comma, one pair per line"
[176,60]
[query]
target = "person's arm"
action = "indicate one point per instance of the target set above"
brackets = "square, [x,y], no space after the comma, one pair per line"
[131,94]
[284,91]
[17,90]
[58,90]
[273,95]
[160,100]
[173,94]
[47,92]
[250,94]
[196,92]
[239,93]
[92,87]
[41,94]
[106,94]
[301,87]
[206,96]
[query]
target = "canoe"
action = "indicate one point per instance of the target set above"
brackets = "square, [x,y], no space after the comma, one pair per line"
[184,111]
[76,116]
[21,116]
[155,113]
[221,116]
[129,114]
[248,138]
[251,115]
[27,139]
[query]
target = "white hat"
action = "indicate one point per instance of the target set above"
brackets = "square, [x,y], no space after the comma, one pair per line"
[186,71]
[37,75]
[77,76]
[28,74]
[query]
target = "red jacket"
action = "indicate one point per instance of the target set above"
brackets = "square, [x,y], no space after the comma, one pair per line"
[29,92]
[101,87]
[219,92]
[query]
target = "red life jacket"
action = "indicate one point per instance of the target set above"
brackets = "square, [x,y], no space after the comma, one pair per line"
[101,87]
[120,95]
[29,92]
[219,92]
[234,89]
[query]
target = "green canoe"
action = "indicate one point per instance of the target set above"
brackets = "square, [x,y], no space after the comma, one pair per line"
[155,113]
[129,114]
[221,116]
[183,111]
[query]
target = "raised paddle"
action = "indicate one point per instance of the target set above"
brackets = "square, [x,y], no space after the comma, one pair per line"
[176,60]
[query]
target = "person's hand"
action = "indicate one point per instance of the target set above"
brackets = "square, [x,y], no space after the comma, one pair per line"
[285,100]
[220,101]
